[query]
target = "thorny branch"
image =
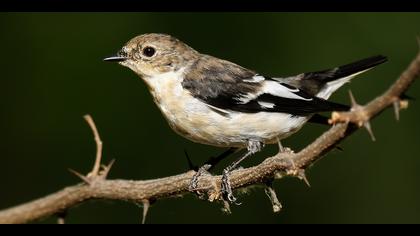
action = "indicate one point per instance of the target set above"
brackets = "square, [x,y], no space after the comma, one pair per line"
[96,186]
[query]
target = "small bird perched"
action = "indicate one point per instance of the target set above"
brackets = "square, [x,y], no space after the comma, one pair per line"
[216,102]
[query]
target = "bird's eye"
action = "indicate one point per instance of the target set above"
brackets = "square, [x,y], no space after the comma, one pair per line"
[149,51]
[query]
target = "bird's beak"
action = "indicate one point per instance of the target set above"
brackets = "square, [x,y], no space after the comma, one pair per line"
[116,58]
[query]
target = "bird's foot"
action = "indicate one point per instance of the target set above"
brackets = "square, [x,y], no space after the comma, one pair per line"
[227,188]
[194,181]
[283,149]
[286,150]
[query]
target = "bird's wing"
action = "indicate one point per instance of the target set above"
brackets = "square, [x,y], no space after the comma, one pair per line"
[229,87]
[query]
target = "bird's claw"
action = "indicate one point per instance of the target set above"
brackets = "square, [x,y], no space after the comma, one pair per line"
[194,181]
[227,188]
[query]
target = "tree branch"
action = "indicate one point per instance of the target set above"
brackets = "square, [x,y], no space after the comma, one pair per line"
[96,186]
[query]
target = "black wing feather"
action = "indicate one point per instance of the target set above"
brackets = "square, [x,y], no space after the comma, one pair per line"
[319,119]
[296,107]
[222,84]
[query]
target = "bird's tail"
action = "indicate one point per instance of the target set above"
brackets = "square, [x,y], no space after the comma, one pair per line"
[337,77]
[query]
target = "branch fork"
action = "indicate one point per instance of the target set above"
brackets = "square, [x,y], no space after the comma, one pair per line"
[99,171]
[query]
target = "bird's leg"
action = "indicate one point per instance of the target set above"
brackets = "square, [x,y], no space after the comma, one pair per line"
[208,165]
[284,150]
[281,148]
[226,187]
[194,181]
[253,147]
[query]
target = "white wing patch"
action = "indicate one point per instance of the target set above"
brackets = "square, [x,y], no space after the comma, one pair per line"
[248,97]
[276,89]
[251,96]
[332,86]
[267,104]
[270,87]
[255,79]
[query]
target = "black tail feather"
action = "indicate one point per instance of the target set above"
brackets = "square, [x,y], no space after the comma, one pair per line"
[346,70]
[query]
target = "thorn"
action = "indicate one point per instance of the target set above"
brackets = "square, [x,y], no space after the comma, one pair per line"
[397,109]
[271,194]
[398,105]
[297,172]
[107,168]
[82,177]
[191,165]
[61,217]
[302,175]
[352,99]
[146,205]
[369,129]
[226,207]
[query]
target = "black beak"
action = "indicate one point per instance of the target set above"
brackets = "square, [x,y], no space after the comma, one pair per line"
[116,58]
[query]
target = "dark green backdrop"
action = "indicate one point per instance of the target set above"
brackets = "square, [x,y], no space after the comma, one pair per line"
[52,74]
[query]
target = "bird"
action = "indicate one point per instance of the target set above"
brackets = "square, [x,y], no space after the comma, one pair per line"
[216,102]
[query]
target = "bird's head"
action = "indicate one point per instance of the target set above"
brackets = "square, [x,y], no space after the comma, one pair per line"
[151,55]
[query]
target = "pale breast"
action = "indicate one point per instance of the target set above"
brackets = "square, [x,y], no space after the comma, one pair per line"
[201,123]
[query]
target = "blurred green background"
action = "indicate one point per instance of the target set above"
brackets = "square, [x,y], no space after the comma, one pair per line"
[52,74]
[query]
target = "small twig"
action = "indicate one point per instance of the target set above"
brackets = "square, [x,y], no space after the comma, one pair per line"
[271,194]
[99,144]
[99,171]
